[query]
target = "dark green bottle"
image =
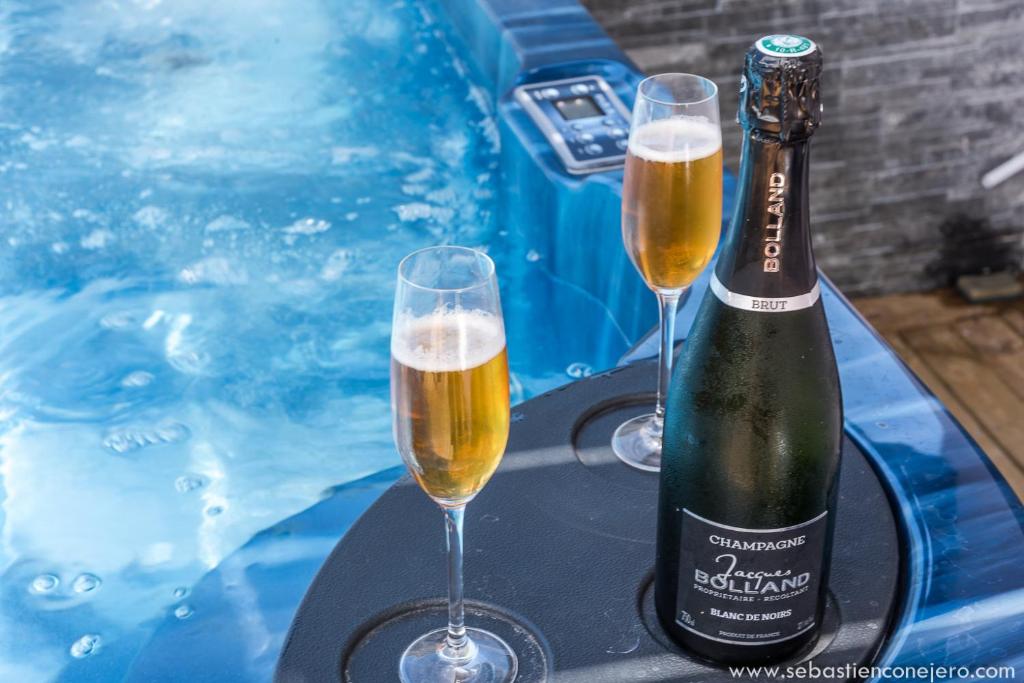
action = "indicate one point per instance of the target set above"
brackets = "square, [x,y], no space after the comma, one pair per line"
[753,419]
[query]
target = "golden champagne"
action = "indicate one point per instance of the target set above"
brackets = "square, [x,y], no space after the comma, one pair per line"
[672,200]
[450,398]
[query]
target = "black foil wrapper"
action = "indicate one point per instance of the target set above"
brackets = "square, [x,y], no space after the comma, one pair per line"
[779,95]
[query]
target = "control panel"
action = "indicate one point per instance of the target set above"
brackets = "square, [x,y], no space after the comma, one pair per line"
[583,119]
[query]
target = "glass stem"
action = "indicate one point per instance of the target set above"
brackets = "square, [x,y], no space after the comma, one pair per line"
[668,304]
[457,643]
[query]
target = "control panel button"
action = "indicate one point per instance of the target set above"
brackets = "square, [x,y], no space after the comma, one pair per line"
[593,148]
[577,126]
[622,144]
[549,93]
[617,133]
[580,89]
[585,137]
[610,122]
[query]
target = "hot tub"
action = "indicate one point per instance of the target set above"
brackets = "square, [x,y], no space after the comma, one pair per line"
[204,207]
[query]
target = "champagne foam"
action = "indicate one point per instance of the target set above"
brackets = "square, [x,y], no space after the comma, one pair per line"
[446,340]
[676,140]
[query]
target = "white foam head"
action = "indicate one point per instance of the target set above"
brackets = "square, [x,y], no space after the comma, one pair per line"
[680,138]
[447,340]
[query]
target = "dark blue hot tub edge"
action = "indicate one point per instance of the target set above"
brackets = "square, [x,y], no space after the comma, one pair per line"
[511,38]
[962,525]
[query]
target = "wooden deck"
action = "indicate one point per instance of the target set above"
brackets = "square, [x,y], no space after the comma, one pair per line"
[972,357]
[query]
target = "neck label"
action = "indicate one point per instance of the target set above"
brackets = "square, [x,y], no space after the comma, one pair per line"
[762,304]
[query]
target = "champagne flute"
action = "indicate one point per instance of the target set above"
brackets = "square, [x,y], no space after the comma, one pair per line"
[671,219]
[450,411]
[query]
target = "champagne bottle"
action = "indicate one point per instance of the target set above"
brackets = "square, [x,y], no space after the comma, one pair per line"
[753,418]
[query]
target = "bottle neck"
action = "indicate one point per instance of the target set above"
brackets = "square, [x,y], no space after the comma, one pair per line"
[767,253]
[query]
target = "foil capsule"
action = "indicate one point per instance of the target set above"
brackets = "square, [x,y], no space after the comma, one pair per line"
[779,93]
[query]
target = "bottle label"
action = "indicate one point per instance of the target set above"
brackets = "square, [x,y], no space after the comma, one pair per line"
[782,45]
[749,586]
[761,304]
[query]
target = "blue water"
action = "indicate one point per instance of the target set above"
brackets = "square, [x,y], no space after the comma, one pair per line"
[202,205]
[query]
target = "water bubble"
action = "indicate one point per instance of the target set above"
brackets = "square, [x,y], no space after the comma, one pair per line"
[86,583]
[489,518]
[188,361]
[226,223]
[214,510]
[336,265]
[307,226]
[85,646]
[343,155]
[424,174]
[154,319]
[533,256]
[214,270]
[183,611]
[187,482]
[75,142]
[444,196]
[180,592]
[416,211]
[150,217]
[137,379]
[579,370]
[97,239]
[44,583]
[132,439]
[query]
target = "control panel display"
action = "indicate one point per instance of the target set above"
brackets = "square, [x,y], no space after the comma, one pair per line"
[572,108]
[585,122]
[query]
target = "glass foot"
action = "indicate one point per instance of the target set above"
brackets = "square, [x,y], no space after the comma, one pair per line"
[489,660]
[637,442]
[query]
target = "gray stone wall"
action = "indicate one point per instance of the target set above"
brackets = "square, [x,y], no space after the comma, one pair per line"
[921,98]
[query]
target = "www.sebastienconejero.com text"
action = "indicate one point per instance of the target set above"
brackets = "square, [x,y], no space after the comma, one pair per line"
[930,673]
